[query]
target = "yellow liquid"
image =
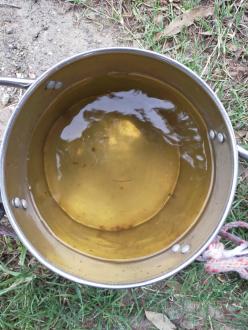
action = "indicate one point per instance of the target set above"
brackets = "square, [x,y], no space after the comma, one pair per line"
[120,167]
[107,166]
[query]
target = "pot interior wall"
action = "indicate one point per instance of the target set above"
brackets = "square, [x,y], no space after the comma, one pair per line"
[178,215]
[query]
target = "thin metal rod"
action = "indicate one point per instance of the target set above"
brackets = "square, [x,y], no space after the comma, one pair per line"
[243,153]
[9,6]
[16,82]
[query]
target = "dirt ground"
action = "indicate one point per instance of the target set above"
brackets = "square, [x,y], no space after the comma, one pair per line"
[36,34]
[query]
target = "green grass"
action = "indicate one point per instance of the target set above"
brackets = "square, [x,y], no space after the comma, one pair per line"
[38,299]
[32,297]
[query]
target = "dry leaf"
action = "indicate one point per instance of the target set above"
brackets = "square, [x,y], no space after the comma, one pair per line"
[241,133]
[159,35]
[160,321]
[158,19]
[238,71]
[237,51]
[186,19]
[232,47]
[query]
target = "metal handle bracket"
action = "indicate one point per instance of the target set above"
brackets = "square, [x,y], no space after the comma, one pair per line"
[243,153]
[16,82]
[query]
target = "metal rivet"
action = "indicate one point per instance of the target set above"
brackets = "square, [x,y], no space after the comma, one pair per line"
[212,134]
[185,248]
[24,204]
[175,248]
[16,202]
[51,84]
[58,84]
[19,203]
[220,137]
[54,84]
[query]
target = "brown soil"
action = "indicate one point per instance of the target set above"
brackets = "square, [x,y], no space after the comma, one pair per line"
[36,34]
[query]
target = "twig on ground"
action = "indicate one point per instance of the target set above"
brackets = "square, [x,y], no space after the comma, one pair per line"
[208,61]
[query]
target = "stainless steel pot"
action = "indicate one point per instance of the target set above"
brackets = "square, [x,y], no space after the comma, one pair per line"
[25,215]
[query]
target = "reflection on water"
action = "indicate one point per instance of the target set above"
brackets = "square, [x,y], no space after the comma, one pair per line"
[176,127]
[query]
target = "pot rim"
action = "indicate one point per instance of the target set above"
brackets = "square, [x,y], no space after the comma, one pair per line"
[38,82]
